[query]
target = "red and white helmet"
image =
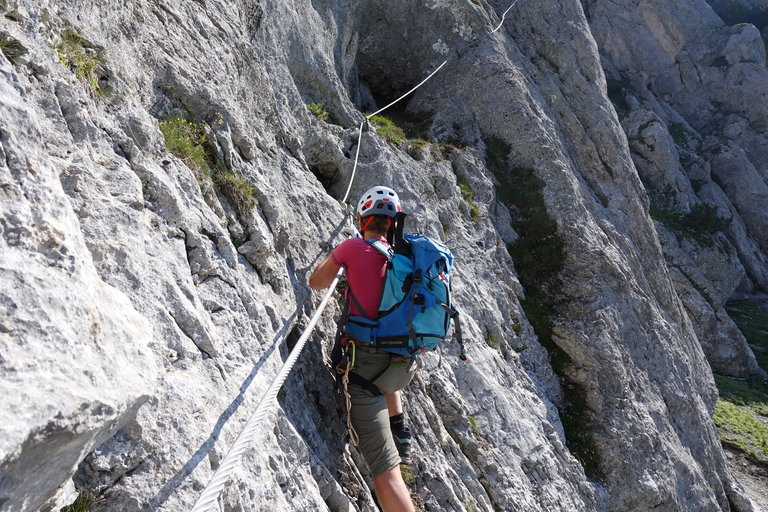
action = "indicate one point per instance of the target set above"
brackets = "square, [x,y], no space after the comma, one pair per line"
[379,201]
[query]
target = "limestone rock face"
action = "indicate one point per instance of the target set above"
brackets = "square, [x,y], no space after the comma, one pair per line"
[76,361]
[146,309]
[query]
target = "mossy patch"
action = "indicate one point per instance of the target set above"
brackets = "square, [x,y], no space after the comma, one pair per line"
[751,316]
[187,140]
[539,257]
[700,224]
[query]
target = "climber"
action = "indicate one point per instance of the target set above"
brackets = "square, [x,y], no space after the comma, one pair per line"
[377,414]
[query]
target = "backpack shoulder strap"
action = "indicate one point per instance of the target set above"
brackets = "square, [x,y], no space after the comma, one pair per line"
[379,246]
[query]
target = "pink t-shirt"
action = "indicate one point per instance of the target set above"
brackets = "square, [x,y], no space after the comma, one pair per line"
[366,268]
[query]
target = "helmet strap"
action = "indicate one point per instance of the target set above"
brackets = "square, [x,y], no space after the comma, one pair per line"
[365,226]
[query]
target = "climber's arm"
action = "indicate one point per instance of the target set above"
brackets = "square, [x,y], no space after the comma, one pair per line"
[323,275]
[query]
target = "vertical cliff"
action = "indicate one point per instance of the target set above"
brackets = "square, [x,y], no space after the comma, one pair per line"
[166,188]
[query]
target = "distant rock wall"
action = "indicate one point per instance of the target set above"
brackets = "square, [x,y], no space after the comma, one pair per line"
[690,96]
[145,310]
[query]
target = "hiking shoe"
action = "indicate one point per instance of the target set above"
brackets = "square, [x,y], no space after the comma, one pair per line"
[403,442]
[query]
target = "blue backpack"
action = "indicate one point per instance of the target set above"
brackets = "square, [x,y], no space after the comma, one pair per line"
[415,310]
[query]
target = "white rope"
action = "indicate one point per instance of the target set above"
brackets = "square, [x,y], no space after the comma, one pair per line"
[357,155]
[503,17]
[207,500]
[433,73]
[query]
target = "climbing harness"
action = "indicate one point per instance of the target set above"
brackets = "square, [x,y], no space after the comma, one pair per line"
[208,499]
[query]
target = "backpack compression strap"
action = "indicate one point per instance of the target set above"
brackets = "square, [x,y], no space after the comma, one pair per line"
[456,330]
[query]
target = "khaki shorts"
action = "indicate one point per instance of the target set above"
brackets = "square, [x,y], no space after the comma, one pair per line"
[370,416]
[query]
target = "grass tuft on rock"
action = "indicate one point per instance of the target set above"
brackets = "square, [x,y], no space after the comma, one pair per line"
[319,111]
[86,62]
[85,500]
[492,341]
[12,49]
[388,130]
[235,188]
[409,476]
[473,426]
[187,140]
[468,195]
[184,139]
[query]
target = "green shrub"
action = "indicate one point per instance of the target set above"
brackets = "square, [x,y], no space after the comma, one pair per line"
[700,224]
[388,130]
[720,62]
[318,110]
[86,62]
[517,327]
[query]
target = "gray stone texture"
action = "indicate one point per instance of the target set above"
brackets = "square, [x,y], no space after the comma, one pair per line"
[143,314]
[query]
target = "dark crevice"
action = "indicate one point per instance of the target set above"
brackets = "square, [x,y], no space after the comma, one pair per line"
[327,174]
